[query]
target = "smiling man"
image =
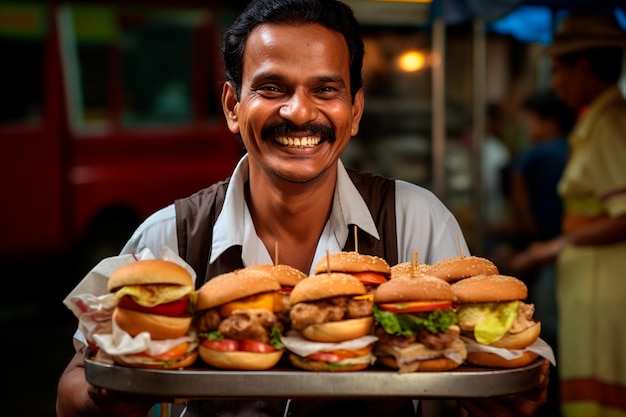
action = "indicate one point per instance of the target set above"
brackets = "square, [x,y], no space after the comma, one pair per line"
[294,96]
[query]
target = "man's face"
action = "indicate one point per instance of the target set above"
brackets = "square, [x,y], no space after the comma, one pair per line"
[295,113]
[569,82]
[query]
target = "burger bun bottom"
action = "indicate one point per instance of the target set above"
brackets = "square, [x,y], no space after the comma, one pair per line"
[338,331]
[519,340]
[185,362]
[491,360]
[242,361]
[159,327]
[321,366]
[427,365]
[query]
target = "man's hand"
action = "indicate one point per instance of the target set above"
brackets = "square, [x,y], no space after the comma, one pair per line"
[112,403]
[524,404]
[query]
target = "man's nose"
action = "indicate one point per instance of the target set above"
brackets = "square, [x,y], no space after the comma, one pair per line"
[299,109]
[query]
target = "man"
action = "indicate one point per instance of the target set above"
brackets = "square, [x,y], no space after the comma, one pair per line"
[294,96]
[587,55]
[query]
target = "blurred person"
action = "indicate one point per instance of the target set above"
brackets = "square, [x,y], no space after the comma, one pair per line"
[294,96]
[495,157]
[587,56]
[536,210]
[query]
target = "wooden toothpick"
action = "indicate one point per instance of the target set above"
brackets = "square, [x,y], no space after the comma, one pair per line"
[327,261]
[276,253]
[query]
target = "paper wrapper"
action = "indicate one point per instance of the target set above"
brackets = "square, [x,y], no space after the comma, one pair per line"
[540,347]
[295,343]
[93,305]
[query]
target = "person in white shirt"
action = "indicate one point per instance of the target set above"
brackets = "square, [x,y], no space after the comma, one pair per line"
[294,96]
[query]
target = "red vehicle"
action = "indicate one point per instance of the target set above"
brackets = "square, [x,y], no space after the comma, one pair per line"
[108,112]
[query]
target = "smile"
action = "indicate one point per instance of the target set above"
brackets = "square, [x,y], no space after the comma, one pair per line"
[305,142]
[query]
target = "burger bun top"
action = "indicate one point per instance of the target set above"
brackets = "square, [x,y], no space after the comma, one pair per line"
[326,285]
[489,288]
[352,262]
[409,270]
[460,267]
[424,288]
[234,285]
[287,276]
[150,271]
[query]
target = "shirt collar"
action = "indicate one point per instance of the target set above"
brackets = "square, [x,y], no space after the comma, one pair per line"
[234,225]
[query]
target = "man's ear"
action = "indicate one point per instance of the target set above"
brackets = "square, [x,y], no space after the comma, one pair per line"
[357,111]
[230,105]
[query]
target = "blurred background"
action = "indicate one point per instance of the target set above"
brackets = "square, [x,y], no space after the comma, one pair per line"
[110,110]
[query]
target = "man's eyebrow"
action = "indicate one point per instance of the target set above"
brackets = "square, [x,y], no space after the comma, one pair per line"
[272,76]
[331,79]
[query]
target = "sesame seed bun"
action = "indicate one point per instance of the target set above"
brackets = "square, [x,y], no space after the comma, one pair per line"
[489,288]
[461,267]
[287,276]
[234,285]
[409,270]
[325,285]
[425,288]
[351,262]
[154,271]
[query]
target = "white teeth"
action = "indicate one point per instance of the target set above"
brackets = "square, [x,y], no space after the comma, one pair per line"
[306,142]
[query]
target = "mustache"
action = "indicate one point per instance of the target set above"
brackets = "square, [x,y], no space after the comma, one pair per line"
[289,129]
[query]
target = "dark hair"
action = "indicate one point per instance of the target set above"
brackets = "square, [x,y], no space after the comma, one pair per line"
[332,14]
[548,106]
[606,63]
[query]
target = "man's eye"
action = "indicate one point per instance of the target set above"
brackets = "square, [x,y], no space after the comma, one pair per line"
[267,88]
[268,91]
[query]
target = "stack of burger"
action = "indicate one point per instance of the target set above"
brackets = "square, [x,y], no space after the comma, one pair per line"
[417,325]
[154,305]
[496,324]
[331,320]
[288,277]
[236,320]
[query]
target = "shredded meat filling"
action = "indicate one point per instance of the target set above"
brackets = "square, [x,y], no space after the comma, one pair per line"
[248,324]
[524,318]
[208,321]
[438,341]
[327,310]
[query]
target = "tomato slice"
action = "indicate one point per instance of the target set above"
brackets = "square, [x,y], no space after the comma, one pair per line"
[173,309]
[370,277]
[285,290]
[249,345]
[340,355]
[325,357]
[223,345]
[414,306]
[174,353]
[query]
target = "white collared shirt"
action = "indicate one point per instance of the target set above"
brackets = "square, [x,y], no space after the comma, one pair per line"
[424,225]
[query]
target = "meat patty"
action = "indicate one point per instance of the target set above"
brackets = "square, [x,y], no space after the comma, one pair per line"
[208,321]
[248,324]
[328,310]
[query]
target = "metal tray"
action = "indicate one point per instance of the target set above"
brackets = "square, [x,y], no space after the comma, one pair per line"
[284,381]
